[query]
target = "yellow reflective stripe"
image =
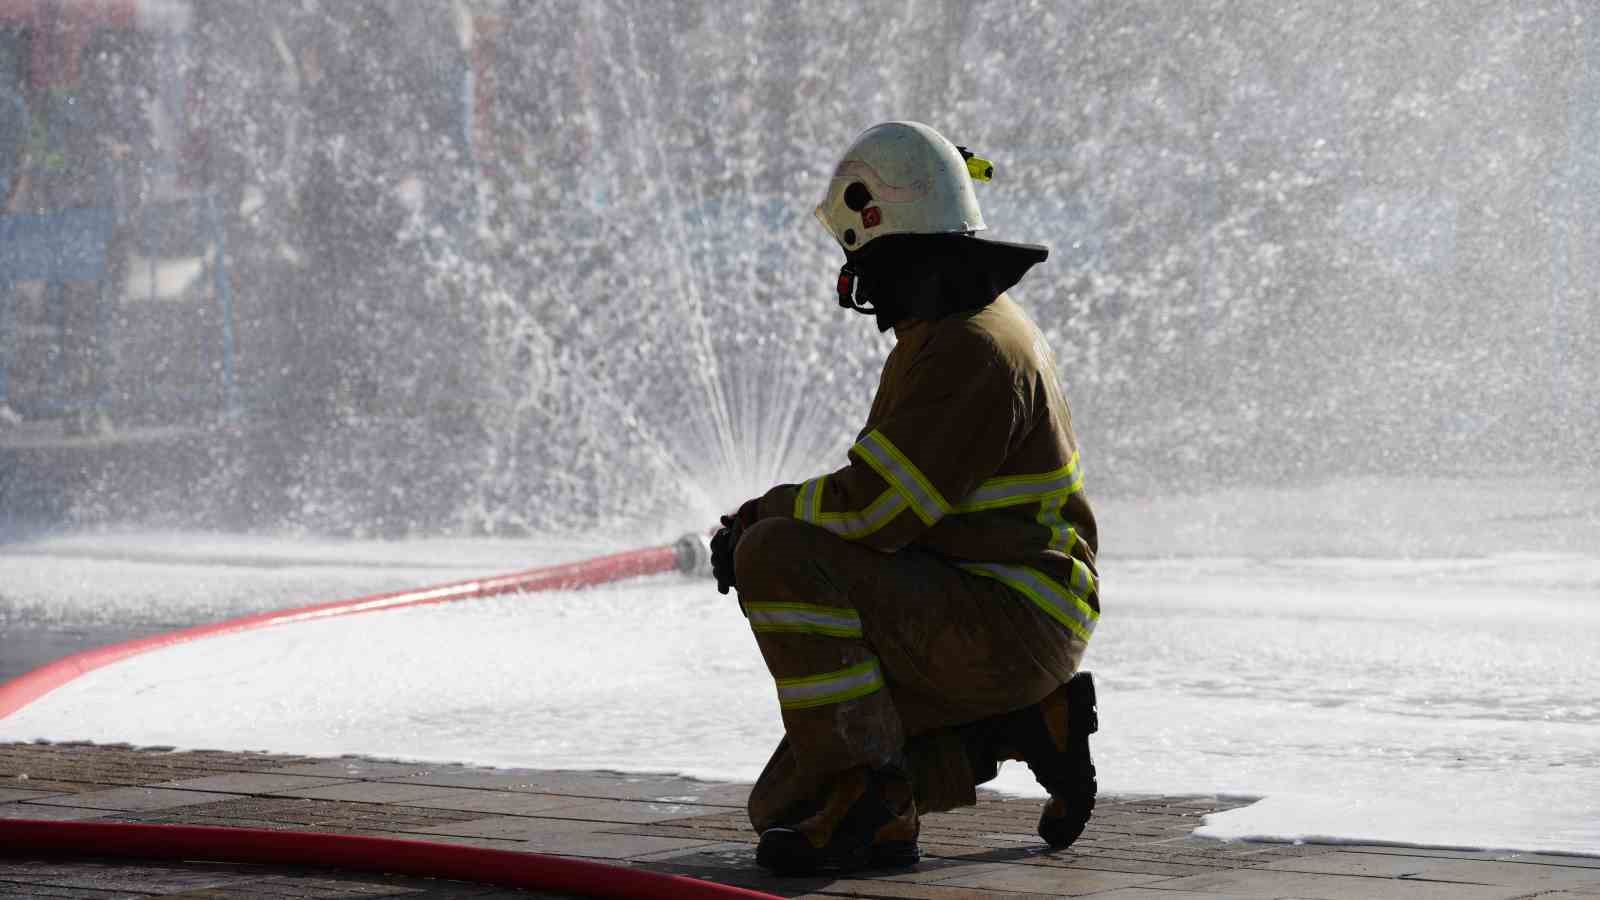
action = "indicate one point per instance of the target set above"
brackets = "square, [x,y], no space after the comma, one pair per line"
[804,618]
[849,524]
[853,525]
[1066,606]
[1014,490]
[808,500]
[1063,536]
[886,459]
[1083,583]
[832,687]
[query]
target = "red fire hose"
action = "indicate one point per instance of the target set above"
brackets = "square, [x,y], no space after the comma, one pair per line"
[689,554]
[29,837]
[23,837]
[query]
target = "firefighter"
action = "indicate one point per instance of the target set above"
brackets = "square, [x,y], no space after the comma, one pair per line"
[924,609]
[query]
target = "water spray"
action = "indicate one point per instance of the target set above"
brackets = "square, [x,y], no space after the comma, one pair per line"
[689,555]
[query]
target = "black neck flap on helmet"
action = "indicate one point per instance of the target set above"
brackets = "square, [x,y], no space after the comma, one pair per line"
[931,276]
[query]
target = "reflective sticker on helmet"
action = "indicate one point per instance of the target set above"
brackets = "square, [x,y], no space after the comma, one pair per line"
[871,217]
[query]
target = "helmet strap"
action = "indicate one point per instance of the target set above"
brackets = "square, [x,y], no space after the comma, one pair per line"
[847,291]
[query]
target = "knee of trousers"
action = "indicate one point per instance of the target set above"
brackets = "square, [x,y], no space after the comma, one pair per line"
[768,553]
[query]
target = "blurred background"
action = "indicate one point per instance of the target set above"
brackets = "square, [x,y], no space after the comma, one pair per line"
[384,269]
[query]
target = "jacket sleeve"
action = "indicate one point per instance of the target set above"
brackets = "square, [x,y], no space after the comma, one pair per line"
[952,429]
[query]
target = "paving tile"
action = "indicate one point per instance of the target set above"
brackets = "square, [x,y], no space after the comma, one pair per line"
[324,884]
[521,828]
[972,855]
[1159,894]
[628,787]
[750,877]
[310,888]
[1552,860]
[707,793]
[469,891]
[364,769]
[608,846]
[720,818]
[1381,865]
[1517,873]
[49,813]
[504,803]
[56,785]
[1042,879]
[1259,883]
[101,765]
[1556,859]
[52,786]
[719,855]
[598,785]
[133,879]
[42,892]
[9,795]
[1431,868]
[1205,803]
[461,840]
[251,783]
[559,837]
[1441,852]
[296,814]
[677,829]
[927,871]
[1102,863]
[623,811]
[482,779]
[861,887]
[135,798]
[365,792]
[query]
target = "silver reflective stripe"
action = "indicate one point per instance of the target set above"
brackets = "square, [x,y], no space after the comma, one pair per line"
[1013,490]
[851,525]
[804,618]
[833,687]
[887,460]
[1065,606]
[808,500]
[858,525]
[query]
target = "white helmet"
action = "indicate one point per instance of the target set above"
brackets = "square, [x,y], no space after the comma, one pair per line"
[899,178]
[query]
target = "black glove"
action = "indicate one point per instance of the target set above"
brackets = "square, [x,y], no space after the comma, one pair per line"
[722,544]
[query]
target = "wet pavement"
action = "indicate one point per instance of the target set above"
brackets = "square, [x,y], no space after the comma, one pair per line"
[25,645]
[1136,848]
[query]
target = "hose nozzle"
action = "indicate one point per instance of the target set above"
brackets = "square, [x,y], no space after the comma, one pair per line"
[694,555]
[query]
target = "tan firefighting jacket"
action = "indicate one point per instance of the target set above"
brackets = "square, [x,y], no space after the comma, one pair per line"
[968,453]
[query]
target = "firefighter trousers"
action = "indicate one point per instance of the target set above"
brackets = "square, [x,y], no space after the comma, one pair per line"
[878,657]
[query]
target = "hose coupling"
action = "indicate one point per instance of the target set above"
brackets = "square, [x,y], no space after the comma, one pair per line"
[694,554]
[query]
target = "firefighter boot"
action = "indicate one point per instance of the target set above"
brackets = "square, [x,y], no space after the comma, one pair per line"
[1066,769]
[1052,737]
[864,818]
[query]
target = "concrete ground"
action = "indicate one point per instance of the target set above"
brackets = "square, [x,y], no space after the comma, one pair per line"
[1136,848]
